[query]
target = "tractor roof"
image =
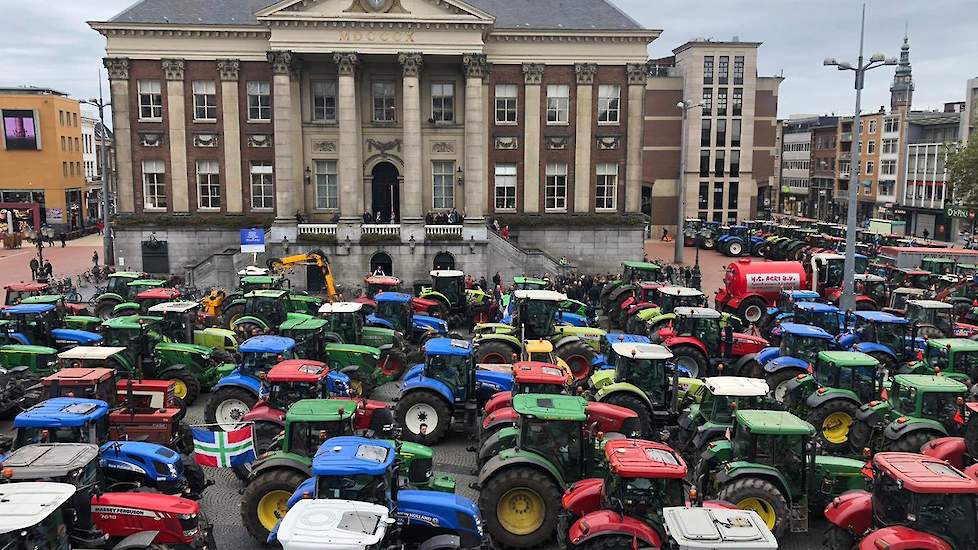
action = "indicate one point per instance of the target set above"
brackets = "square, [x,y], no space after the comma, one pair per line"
[382,280]
[848,358]
[930,304]
[26,287]
[351,455]
[173,307]
[880,317]
[94,353]
[956,344]
[392,297]
[521,280]
[697,312]
[62,412]
[130,322]
[805,331]
[159,293]
[939,260]
[302,322]
[448,346]
[635,458]
[654,352]
[81,374]
[680,291]
[351,348]
[913,271]
[43,299]
[340,307]
[298,370]
[816,307]
[774,423]
[614,337]
[318,410]
[333,523]
[258,279]
[539,295]
[146,282]
[650,285]
[538,372]
[49,460]
[802,294]
[551,407]
[538,346]
[702,528]
[266,344]
[828,256]
[868,278]
[126,274]
[275,293]
[924,474]
[642,266]
[446,273]
[25,348]
[736,386]
[23,505]
[930,383]
[27,309]
[253,270]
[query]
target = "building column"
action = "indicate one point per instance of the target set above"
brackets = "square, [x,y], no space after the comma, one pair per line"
[177,125]
[284,64]
[476,69]
[411,191]
[637,75]
[532,79]
[231,118]
[582,144]
[118,69]
[350,148]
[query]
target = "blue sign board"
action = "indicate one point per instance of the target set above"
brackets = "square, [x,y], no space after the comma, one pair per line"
[253,240]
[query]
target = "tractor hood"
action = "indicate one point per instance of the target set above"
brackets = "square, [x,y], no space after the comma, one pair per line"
[743,338]
[81,337]
[436,509]
[183,348]
[500,381]
[439,325]
[326,524]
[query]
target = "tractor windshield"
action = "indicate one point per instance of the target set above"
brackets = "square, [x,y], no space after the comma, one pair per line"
[940,318]
[892,335]
[828,321]
[536,317]
[771,449]
[271,310]
[942,407]
[118,285]
[802,347]
[950,516]
[396,313]
[648,375]
[346,325]
[361,487]
[283,394]
[452,287]
[898,301]
[966,362]
[903,399]
[262,361]
[448,369]
[306,437]
[556,440]
[48,534]
[645,497]
[29,436]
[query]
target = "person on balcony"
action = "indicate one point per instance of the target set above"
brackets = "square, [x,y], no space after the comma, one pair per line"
[366,216]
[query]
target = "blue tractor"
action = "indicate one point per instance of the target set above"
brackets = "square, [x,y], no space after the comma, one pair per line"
[40,325]
[891,340]
[800,345]
[827,317]
[128,465]
[738,241]
[359,477]
[605,359]
[784,309]
[447,388]
[395,311]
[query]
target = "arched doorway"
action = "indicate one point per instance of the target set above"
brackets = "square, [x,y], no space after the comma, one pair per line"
[444,260]
[383,261]
[386,191]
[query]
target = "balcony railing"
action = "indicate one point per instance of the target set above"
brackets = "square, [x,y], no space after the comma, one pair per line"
[317,229]
[386,229]
[442,231]
[845,136]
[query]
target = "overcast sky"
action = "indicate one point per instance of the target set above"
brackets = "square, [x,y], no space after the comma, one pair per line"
[47,43]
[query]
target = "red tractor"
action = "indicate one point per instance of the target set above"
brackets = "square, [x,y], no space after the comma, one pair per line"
[960,452]
[529,377]
[15,292]
[750,287]
[640,299]
[871,292]
[700,343]
[917,502]
[376,284]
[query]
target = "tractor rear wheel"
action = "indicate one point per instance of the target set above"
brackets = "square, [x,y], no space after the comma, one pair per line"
[778,382]
[494,352]
[520,506]
[761,496]
[752,310]
[691,359]
[735,248]
[187,388]
[424,417]
[837,538]
[610,542]
[913,442]
[227,405]
[265,501]
[361,384]
[578,356]
[103,309]
[634,403]
[833,419]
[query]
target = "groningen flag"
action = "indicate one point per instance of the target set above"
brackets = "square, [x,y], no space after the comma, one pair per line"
[223,449]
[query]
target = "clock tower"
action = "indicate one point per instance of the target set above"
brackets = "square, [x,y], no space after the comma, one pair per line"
[901,91]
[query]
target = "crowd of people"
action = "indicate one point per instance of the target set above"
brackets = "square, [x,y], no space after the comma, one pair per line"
[452,217]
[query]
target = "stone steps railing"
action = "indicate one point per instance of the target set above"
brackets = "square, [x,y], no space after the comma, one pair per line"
[317,229]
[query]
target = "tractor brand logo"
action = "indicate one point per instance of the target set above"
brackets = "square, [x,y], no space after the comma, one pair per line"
[118,511]
[422,518]
[772,281]
[117,465]
[490,385]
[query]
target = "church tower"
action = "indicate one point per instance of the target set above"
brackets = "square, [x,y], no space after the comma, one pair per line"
[901,91]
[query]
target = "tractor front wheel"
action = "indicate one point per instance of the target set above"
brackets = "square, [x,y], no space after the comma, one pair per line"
[186,386]
[691,359]
[634,403]
[778,382]
[196,481]
[837,538]
[423,416]
[104,309]
[734,248]
[762,497]
[832,420]
[520,507]
[265,501]
[913,442]
[227,406]
[578,356]
[494,353]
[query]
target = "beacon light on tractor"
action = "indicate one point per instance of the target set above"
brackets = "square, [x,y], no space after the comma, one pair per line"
[751,287]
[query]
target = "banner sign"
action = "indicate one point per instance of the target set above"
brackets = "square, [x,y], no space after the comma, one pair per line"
[253,240]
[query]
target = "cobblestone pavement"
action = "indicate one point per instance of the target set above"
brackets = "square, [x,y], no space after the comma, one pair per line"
[67,262]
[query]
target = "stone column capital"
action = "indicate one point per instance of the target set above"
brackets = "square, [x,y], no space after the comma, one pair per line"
[585,73]
[533,73]
[346,62]
[118,67]
[638,73]
[283,62]
[230,69]
[173,69]
[411,63]
[476,65]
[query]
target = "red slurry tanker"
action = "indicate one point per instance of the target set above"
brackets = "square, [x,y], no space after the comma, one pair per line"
[750,287]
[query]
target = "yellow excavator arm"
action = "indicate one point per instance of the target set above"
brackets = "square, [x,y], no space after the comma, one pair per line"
[316,258]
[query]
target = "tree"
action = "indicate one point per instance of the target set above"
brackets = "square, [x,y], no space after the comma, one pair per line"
[962,172]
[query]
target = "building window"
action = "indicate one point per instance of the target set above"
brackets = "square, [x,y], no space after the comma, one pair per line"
[739,70]
[721,132]
[704,162]
[888,167]
[443,102]
[154,184]
[735,163]
[64,168]
[61,118]
[77,145]
[205,100]
[262,190]
[74,117]
[889,146]
[708,69]
[150,100]
[208,184]
[723,69]
[872,126]
[717,197]
[556,189]
[735,132]
[606,192]
[505,187]
[732,197]
[707,102]
[718,162]
[704,196]
[323,100]
[327,195]
[609,104]
[507,98]
[558,103]
[63,143]
[890,125]
[870,147]
[443,183]
[722,101]
[738,101]
[259,101]
[870,167]
[705,133]
[71,168]
[886,187]
[384,94]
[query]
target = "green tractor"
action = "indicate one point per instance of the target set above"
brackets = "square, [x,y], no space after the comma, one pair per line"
[770,466]
[712,418]
[277,473]
[955,358]
[21,369]
[145,299]
[616,291]
[938,266]
[69,317]
[264,310]
[217,302]
[178,323]
[830,398]
[457,305]
[918,408]
[122,287]
[667,299]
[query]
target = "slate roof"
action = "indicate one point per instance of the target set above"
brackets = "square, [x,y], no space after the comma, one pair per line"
[509,14]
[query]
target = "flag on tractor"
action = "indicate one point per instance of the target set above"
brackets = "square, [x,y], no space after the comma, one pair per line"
[223,449]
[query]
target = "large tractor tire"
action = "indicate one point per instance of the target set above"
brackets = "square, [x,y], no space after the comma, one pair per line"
[734,248]
[265,500]
[578,356]
[361,384]
[913,442]
[231,314]
[778,382]
[423,409]
[752,310]
[837,538]
[494,352]
[761,496]
[691,359]
[641,408]
[520,506]
[227,405]
[187,386]
[833,419]
[103,310]
[196,480]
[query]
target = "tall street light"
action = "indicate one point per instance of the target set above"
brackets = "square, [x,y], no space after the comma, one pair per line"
[100,104]
[848,300]
[685,107]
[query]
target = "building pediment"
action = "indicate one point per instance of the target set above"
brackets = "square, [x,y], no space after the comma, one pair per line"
[379,11]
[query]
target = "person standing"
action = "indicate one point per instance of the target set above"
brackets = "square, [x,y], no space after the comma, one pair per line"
[48,268]
[497,280]
[505,232]
[63,237]
[34,267]
[95,258]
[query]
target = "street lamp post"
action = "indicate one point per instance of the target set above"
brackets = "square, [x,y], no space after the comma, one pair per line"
[100,104]
[684,106]
[848,300]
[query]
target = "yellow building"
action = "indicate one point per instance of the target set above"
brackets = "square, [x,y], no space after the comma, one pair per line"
[41,158]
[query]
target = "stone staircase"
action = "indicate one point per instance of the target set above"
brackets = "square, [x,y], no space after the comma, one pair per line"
[510,259]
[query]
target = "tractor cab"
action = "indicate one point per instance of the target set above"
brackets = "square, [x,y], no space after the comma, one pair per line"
[909,277]
[938,266]
[554,427]
[824,316]
[529,283]
[700,339]
[826,269]
[118,282]
[261,353]
[74,314]
[35,515]
[535,312]
[139,334]
[136,287]
[851,371]
[668,298]
[802,342]
[180,324]
[450,283]
[146,299]
[344,319]
[265,281]
[646,367]
[871,291]
[956,358]
[15,292]
[395,311]
[967,271]
[639,271]
[528,377]
[787,299]
[375,284]
[706,421]
[889,338]
[897,304]
[270,306]
[40,324]
[91,382]
[933,319]
[295,379]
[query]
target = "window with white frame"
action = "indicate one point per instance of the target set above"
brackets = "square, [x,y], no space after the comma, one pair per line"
[323,100]
[384,96]
[208,184]
[606,192]
[442,184]
[870,167]
[205,100]
[872,126]
[154,184]
[890,125]
[150,100]
[443,102]
[262,186]
[259,101]
[889,146]
[558,103]
[507,98]
[870,145]
[327,193]
[609,103]
[556,187]
[505,187]
[888,167]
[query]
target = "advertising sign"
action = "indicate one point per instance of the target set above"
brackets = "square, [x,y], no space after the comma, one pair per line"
[19,130]
[253,240]
[772,281]
[55,215]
